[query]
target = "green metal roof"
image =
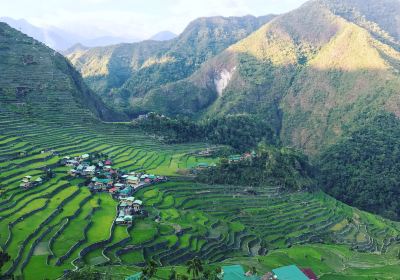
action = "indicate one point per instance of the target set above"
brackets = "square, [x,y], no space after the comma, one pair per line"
[233,272]
[290,272]
[236,272]
[134,276]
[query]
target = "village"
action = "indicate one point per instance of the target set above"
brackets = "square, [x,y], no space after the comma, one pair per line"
[100,176]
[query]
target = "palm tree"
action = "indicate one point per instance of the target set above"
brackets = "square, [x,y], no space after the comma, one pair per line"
[149,270]
[195,267]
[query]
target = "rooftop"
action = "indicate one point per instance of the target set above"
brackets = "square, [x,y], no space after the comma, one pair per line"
[290,272]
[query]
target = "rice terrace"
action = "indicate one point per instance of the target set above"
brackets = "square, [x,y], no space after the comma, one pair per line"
[245,148]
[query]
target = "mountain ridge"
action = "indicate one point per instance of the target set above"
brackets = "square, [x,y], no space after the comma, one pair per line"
[39,77]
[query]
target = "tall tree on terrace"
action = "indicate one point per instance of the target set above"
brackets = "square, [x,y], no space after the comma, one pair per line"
[4,257]
[195,267]
[149,270]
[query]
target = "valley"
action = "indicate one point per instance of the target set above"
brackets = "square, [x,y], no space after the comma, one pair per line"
[247,144]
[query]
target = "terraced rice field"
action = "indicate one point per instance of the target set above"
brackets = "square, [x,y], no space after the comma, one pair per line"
[60,225]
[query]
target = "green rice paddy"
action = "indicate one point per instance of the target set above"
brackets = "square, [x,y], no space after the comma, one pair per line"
[60,225]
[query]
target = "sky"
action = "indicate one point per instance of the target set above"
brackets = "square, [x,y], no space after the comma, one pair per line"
[133,18]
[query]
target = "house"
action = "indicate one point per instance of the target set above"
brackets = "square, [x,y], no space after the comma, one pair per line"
[26,182]
[133,180]
[107,167]
[136,276]
[128,219]
[289,272]
[120,221]
[137,205]
[71,162]
[144,177]
[72,172]
[119,186]
[128,200]
[102,183]
[38,181]
[85,156]
[108,162]
[89,170]
[202,165]
[127,191]
[236,272]
[309,273]
[235,158]
[113,190]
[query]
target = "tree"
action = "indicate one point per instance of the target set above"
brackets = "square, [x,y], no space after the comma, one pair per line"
[87,274]
[195,267]
[253,270]
[4,257]
[149,270]
[172,275]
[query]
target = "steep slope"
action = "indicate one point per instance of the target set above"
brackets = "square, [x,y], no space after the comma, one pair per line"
[38,82]
[123,74]
[310,72]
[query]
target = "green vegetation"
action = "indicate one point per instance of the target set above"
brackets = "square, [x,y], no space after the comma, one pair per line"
[270,166]
[124,74]
[241,132]
[363,169]
[289,80]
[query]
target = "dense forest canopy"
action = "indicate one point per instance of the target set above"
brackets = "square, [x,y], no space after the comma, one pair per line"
[364,169]
[281,167]
[242,132]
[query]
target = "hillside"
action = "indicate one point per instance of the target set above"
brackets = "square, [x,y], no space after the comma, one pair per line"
[123,74]
[305,71]
[39,82]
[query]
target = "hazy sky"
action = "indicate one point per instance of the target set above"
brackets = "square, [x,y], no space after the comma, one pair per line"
[133,18]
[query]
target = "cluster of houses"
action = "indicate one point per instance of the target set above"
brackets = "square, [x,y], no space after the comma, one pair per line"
[245,156]
[102,177]
[127,208]
[29,182]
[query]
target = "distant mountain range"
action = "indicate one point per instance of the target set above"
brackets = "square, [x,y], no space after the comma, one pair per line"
[163,36]
[59,39]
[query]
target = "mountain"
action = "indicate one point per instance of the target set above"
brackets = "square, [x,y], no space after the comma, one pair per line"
[305,71]
[163,36]
[123,74]
[324,76]
[41,84]
[75,49]
[60,39]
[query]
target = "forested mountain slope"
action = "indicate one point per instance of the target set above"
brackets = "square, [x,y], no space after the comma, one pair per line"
[123,74]
[309,72]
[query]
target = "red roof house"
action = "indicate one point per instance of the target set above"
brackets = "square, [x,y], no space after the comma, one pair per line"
[309,273]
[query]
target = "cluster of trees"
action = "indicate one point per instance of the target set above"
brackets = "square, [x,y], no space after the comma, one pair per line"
[282,167]
[242,132]
[195,269]
[363,170]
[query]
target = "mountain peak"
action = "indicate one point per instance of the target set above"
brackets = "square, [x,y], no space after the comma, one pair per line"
[163,36]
